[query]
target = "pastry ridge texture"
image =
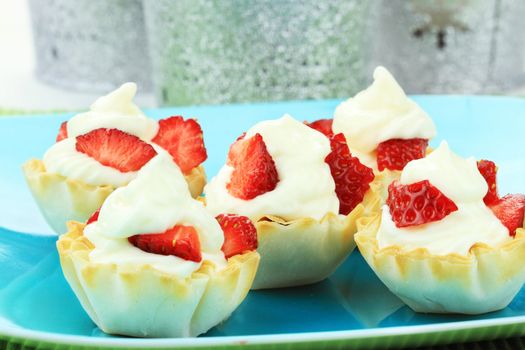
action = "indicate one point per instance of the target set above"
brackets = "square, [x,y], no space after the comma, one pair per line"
[485,280]
[62,199]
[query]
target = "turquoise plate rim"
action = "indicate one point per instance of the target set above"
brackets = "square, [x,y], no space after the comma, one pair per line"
[269,339]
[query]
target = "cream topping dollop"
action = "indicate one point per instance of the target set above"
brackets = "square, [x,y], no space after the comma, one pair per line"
[116,110]
[305,188]
[473,222]
[113,111]
[155,201]
[380,113]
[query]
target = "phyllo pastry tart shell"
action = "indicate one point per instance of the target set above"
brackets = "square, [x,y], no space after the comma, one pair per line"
[62,199]
[305,251]
[144,301]
[485,280]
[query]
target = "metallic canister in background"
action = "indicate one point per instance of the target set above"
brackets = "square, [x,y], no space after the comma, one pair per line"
[90,45]
[206,51]
[450,46]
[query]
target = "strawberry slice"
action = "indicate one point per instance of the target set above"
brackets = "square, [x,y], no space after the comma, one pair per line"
[254,170]
[510,210]
[240,234]
[352,179]
[93,217]
[116,149]
[183,140]
[181,241]
[62,132]
[488,170]
[322,125]
[418,203]
[394,154]
[235,149]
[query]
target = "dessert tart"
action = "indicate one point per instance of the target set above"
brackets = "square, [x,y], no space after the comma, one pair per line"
[102,149]
[445,242]
[383,127]
[152,262]
[304,193]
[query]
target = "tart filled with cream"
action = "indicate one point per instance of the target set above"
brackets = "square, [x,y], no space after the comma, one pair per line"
[102,149]
[383,127]
[152,262]
[304,193]
[445,241]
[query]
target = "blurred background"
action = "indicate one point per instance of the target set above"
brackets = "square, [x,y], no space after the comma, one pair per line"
[62,54]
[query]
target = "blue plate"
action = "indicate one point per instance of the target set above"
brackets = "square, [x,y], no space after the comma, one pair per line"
[350,308]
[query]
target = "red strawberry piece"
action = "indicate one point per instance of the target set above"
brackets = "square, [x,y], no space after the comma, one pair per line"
[418,203]
[488,170]
[93,217]
[240,234]
[235,149]
[510,210]
[352,179]
[183,140]
[181,241]
[322,125]
[62,132]
[116,149]
[254,170]
[394,154]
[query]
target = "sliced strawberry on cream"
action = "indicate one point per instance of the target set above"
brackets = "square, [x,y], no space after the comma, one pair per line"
[182,241]
[116,149]
[510,210]
[83,161]
[352,179]
[254,171]
[323,126]
[396,153]
[62,132]
[240,234]
[183,139]
[418,203]
[87,153]
[488,170]
[440,183]
[93,217]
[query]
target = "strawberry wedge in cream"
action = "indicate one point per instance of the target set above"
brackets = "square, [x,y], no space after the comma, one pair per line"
[103,149]
[152,262]
[445,241]
[302,190]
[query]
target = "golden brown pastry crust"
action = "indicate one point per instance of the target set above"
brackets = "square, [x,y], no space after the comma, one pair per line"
[306,251]
[145,302]
[485,280]
[196,180]
[61,199]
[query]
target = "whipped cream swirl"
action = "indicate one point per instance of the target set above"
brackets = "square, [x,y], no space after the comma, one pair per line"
[380,113]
